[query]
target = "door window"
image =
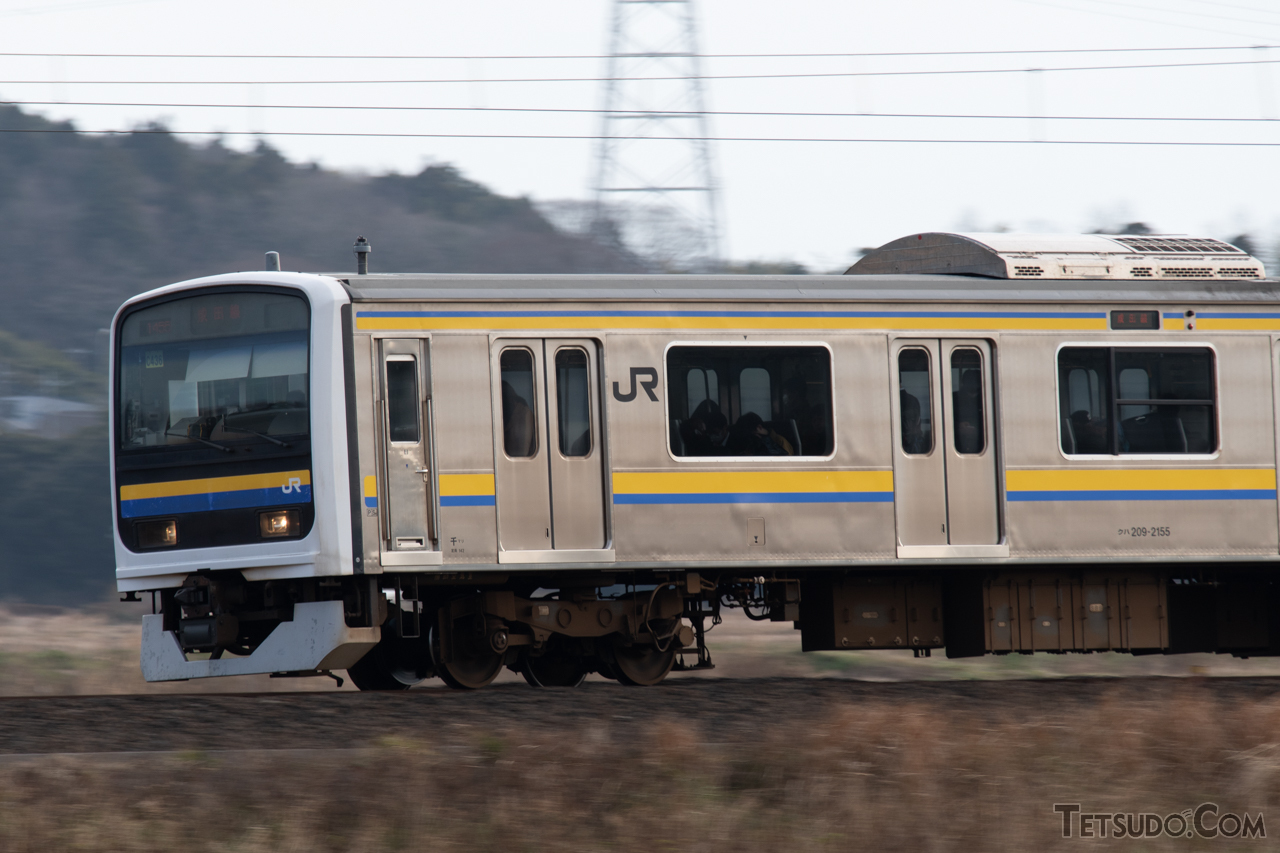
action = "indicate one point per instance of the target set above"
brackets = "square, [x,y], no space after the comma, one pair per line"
[519,421]
[402,399]
[916,400]
[573,402]
[968,401]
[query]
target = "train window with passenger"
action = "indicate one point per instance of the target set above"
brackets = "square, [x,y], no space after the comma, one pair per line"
[701,385]
[758,401]
[1126,400]
[211,370]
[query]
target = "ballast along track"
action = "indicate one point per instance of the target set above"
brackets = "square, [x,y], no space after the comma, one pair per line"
[723,710]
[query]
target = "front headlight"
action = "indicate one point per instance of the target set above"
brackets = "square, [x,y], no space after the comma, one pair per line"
[278,524]
[157,534]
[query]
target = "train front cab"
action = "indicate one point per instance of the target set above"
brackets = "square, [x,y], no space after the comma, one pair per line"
[227,464]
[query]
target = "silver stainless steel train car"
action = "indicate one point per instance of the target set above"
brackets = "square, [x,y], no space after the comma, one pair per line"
[983,443]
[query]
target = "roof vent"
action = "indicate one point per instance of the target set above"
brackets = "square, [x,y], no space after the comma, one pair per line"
[1161,245]
[1060,256]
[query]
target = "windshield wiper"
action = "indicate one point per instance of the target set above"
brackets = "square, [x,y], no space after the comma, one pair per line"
[221,447]
[226,427]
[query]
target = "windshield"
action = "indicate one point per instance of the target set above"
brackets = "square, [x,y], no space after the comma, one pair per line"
[223,368]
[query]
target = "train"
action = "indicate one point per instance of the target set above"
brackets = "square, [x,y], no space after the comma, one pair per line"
[968,443]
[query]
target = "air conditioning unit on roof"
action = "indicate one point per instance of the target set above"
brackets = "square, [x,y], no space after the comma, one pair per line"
[1061,256]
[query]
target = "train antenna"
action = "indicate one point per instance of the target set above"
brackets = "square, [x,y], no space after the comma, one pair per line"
[273,262]
[362,249]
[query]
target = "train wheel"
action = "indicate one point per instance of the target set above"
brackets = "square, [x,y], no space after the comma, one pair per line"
[467,670]
[557,667]
[642,666]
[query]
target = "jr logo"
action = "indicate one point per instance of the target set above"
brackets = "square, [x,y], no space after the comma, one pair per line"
[294,485]
[647,384]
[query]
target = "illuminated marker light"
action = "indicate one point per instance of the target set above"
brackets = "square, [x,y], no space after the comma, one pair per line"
[157,534]
[278,524]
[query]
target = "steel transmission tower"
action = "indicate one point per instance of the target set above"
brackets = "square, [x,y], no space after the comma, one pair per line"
[655,190]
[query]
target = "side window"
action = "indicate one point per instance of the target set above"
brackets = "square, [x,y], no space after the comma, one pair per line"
[519,421]
[702,385]
[753,385]
[1084,412]
[1135,384]
[761,401]
[1163,400]
[915,399]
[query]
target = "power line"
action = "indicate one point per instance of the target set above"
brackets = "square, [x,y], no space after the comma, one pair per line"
[638,113]
[553,136]
[804,75]
[445,57]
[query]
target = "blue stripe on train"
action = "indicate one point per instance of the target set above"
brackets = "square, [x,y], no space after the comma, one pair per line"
[756,498]
[467,500]
[244,499]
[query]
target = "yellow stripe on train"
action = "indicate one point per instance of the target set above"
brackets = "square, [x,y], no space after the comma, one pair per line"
[1139,479]
[213,485]
[716,482]
[466,485]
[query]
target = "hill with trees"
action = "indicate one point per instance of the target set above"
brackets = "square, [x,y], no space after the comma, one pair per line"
[89,221]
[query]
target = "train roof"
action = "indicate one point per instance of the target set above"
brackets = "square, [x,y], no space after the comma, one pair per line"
[419,287]
[924,267]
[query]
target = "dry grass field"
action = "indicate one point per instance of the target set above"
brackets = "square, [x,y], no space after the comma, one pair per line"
[860,775]
[884,768]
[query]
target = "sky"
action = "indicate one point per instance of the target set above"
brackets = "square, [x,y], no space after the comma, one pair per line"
[812,202]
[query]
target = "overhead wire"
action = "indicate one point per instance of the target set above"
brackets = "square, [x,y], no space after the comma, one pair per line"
[797,75]
[639,113]
[585,137]
[574,56]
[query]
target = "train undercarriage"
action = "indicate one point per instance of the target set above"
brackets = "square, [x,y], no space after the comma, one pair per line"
[636,628]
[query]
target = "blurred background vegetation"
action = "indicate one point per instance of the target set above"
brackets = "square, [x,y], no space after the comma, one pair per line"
[90,221]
